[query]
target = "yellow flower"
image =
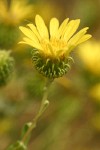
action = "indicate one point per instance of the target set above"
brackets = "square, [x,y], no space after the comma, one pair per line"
[89,52]
[15,12]
[55,43]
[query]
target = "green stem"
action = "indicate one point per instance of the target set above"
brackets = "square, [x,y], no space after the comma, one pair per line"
[43,107]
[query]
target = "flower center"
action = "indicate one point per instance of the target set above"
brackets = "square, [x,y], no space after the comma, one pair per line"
[58,43]
[53,47]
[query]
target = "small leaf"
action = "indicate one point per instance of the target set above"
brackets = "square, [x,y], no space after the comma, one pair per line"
[24,130]
[18,146]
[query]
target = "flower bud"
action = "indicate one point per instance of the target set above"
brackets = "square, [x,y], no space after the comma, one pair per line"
[6,66]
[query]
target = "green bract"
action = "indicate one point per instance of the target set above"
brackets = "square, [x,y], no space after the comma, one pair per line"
[51,68]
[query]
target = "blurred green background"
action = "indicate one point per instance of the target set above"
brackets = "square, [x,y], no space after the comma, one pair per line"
[72,121]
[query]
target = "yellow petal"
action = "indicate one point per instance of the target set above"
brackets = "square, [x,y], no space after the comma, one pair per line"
[41,27]
[31,43]
[77,36]
[62,27]
[54,24]
[71,28]
[34,30]
[29,34]
[72,43]
[84,38]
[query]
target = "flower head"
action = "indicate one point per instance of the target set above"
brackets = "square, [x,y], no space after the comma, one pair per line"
[6,66]
[15,12]
[53,46]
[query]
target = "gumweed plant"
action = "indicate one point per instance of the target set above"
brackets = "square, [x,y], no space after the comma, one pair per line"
[14,11]
[50,56]
[12,14]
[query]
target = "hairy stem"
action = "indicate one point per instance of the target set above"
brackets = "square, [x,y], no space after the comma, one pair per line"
[43,107]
